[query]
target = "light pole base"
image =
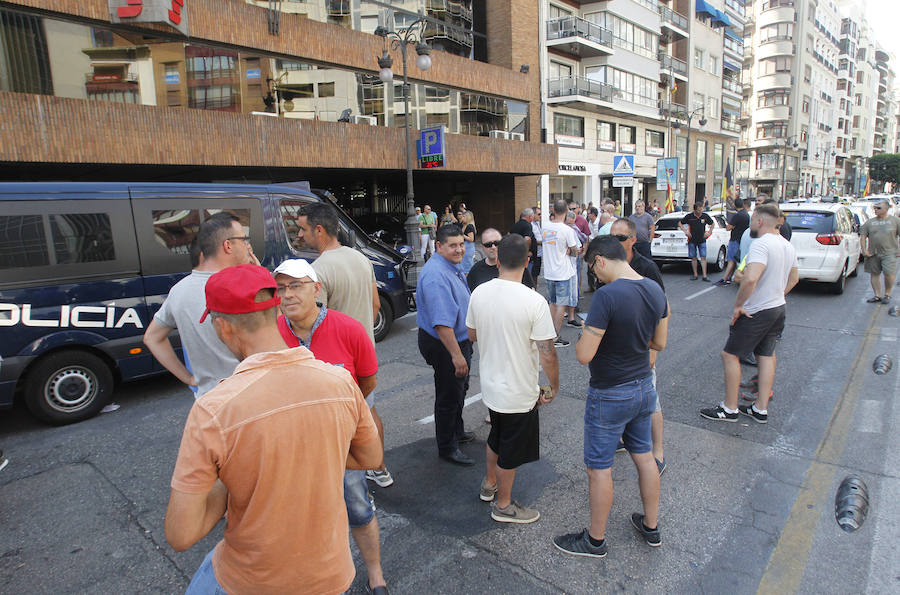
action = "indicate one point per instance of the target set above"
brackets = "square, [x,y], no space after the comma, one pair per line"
[412,236]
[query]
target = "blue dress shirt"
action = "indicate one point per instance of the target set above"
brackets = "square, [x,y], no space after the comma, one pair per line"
[442,298]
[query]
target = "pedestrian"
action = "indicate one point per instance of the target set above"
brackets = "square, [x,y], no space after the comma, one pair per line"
[468,229]
[580,221]
[334,338]
[539,240]
[268,444]
[448,217]
[627,318]
[607,217]
[514,331]
[442,297]
[348,285]
[524,229]
[645,226]
[624,231]
[223,243]
[697,226]
[427,228]
[593,217]
[878,240]
[758,316]
[576,262]
[618,207]
[738,224]
[486,269]
[560,244]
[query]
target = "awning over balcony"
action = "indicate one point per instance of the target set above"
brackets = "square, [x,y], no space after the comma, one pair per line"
[734,112]
[702,6]
[720,18]
[728,65]
[731,33]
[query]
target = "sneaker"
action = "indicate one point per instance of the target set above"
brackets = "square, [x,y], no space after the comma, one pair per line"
[487,492]
[718,413]
[560,342]
[578,544]
[382,478]
[750,411]
[753,395]
[514,513]
[661,465]
[621,447]
[723,282]
[753,383]
[886,299]
[3,460]
[706,279]
[576,323]
[693,277]
[652,536]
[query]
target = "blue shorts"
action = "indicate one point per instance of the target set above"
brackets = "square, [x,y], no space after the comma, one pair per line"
[734,251]
[563,293]
[360,509]
[620,412]
[204,581]
[694,248]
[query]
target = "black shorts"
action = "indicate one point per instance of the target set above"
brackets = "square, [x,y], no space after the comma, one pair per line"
[757,334]
[515,437]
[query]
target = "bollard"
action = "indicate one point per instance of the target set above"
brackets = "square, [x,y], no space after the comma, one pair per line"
[851,503]
[882,364]
[894,311]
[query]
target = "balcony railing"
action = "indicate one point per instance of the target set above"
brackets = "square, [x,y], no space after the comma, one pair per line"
[732,85]
[563,27]
[731,125]
[672,63]
[667,15]
[672,109]
[736,6]
[581,86]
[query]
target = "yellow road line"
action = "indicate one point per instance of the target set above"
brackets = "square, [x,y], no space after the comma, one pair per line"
[788,561]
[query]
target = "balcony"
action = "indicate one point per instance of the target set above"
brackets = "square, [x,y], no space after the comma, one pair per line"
[732,85]
[674,26]
[669,63]
[730,125]
[578,37]
[736,8]
[668,108]
[583,93]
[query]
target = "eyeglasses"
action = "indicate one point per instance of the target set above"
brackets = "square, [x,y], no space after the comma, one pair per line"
[621,237]
[245,238]
[292,287]
[491,244]
[877,208]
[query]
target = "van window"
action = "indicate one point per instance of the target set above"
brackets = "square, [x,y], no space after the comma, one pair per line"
[22,242]
[289,209]
[176,229]
[813,221]
[82,237]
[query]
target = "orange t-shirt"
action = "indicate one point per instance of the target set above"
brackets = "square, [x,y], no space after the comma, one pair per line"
[277,433]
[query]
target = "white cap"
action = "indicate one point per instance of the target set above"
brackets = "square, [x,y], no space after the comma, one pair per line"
[296,268]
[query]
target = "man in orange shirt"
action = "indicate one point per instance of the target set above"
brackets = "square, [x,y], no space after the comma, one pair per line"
[269,444]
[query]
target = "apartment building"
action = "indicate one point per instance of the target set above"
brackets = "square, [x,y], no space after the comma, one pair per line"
[633,77]
[233,90]
[885,104]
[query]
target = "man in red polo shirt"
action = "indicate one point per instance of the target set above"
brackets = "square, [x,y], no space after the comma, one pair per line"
[341,340]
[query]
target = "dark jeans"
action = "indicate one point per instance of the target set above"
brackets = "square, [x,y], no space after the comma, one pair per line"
[535,267]
[449,391]
[644,249]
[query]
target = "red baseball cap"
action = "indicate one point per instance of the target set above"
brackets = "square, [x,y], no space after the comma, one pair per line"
[233,290]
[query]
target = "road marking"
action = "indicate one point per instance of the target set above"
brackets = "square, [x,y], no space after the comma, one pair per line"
[869,416]
[788,560]
[889,334]
[407,315]
[469,401]
[699,293]
[415,328]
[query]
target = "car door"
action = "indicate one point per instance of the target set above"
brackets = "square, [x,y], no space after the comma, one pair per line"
[852,237]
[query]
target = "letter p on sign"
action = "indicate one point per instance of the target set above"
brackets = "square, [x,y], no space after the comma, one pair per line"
[431,139]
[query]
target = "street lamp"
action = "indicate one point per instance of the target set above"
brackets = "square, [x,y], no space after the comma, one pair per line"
[687,153]
[789,141]
[824,163]
[401,40]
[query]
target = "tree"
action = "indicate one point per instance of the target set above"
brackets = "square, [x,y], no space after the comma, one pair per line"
[885,167]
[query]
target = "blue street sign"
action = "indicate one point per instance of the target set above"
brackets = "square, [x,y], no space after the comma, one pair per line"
[253,73]
[430,147]
[623,165]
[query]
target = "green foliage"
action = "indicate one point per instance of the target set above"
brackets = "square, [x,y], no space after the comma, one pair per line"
[885,167]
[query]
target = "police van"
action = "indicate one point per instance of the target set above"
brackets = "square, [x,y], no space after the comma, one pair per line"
[85,266]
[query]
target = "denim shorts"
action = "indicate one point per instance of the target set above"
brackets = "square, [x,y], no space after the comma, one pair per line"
[204,581]
[621,411]
[734,251]
[563,293]
[360,508]
[694,248]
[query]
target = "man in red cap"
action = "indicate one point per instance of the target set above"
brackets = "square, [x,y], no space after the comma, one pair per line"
[270,445]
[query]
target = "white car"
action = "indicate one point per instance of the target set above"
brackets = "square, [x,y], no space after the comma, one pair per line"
[826,241]
[670,244]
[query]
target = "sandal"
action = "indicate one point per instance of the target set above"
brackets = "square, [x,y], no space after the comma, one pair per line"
[873,300]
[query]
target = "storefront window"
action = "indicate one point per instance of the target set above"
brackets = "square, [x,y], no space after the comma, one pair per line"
[701,155]
[568,130]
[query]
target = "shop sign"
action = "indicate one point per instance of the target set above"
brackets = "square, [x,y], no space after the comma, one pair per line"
[168,12]
[655,151]
[606,145]
[106,78]
[570,141]
[627,147]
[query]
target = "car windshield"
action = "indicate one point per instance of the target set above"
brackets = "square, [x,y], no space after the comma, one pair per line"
[814,221]
[667,224]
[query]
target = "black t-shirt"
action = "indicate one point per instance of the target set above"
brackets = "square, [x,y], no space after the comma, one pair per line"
[697,226]
[482,272]
[628,311]
[740,222]
[786,230]
[469,229]
[524,229]
[645,267]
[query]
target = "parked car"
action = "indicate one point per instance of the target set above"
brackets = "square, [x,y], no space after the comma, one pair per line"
[669,243]
[85,266]
[826,239]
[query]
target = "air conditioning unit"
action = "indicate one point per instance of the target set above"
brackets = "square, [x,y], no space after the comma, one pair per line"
[516,136]
[499,134]
[370,120]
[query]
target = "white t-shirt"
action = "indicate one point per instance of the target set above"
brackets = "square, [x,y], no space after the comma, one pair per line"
[558,237]
[509,318]
[779,256]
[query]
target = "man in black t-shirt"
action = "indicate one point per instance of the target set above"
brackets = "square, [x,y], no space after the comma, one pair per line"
[486,269]
[739,223]
[523,228]
[697,226]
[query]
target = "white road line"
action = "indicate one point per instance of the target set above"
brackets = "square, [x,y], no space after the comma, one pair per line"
[415,328]
[699,293]
[869,416]
[889,334]
[469,401]
[407,315]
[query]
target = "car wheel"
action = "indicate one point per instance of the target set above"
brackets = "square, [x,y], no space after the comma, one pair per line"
[385,318]
[720,259]
[837,288]
[68,386]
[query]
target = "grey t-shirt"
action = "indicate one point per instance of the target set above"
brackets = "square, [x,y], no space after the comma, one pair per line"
[882,234]
[779,257]
[643,225]
[347,276]
[210,360]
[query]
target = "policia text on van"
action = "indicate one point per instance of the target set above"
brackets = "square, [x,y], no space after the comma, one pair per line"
[84,267]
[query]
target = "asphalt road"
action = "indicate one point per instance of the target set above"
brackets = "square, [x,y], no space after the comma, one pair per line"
[745,507]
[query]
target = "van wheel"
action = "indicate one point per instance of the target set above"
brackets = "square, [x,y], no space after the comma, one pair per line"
[68,386]
[837,288]
[720,259]
[385,318]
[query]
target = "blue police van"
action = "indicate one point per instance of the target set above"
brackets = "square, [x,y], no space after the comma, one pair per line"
[84,267]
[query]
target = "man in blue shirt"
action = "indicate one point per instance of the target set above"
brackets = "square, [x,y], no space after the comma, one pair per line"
[442,298]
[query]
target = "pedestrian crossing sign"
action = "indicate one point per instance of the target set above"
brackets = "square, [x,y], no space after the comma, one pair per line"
[623,165]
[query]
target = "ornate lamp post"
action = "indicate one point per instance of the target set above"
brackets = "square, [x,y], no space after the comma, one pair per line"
[687,153]
[401,40]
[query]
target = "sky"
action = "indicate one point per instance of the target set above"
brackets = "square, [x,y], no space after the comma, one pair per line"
[883,16]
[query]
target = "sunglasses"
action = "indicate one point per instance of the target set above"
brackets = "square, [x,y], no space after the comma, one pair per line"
[621,237]
[245,238]
[491,244]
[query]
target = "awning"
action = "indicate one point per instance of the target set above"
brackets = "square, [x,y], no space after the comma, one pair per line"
[733,112]
[702,6]
[731,66]
[733,35]
[721,18]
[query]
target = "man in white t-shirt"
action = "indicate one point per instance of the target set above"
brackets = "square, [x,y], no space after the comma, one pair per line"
[513,328]
[758,316]
[562,288]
